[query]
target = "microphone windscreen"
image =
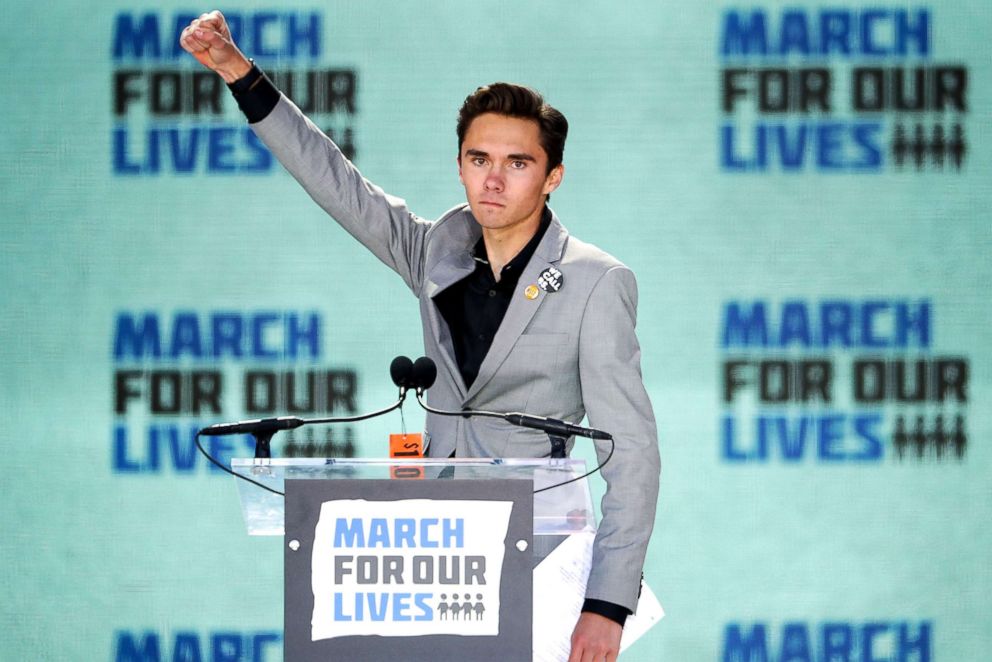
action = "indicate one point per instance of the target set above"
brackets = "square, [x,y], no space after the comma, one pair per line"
[401,370]
[424,373]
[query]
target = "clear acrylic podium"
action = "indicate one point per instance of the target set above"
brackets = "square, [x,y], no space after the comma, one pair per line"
[413,604]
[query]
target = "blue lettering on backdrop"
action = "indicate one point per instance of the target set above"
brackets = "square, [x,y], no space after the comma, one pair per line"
[800,641]
[795,642]
[171,446]
[792,438]
[779,402]
[190,149]
[896,323]
[739,646]
[786,64]
[259,325]
[191,646]
[136,37]
[264,335]
[265,34]
[137,337]
[824,146]
[169,366]
[155,79]
[826,32]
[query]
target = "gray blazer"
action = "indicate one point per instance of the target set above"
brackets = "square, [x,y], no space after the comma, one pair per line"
[564,354]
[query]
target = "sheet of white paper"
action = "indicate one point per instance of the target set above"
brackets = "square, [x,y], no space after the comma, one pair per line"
[559,590]
[648,613]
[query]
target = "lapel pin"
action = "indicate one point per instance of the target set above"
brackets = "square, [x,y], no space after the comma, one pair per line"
[550,280]
[531,292]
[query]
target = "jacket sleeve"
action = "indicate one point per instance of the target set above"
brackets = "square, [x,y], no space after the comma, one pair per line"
[615,401]
[381,222]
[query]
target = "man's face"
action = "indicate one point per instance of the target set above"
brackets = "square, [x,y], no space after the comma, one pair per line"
[504,170]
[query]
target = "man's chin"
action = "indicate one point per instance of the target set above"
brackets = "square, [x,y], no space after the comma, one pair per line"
[488,216]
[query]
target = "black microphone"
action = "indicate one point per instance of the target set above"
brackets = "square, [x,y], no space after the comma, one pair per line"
[258,425]
[401,371]
[423,374]
[555,427]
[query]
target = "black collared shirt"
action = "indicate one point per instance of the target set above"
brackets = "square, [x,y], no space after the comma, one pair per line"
[475,306]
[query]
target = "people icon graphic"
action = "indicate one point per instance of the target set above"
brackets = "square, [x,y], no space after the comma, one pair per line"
[465,611]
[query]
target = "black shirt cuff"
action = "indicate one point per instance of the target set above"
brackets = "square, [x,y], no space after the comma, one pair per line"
[611,611]
[255,94]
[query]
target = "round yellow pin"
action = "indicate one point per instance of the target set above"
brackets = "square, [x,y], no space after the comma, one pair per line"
[531,292]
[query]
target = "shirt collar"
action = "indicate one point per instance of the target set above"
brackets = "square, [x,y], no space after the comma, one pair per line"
[520,260]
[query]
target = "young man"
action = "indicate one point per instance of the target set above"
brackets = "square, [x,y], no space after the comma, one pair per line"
[518,315]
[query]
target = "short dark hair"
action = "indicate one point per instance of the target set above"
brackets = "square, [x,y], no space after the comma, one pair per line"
[517,101]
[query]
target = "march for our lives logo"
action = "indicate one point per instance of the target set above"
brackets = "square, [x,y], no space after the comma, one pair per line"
[175,372]
[173,116]
[838,90]
[850,641]
[383,568]
[839,380]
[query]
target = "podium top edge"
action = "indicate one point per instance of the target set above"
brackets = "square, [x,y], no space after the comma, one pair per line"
[419,462]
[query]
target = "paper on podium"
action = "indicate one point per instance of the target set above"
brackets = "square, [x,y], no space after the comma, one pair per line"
[559,590]
[649,612]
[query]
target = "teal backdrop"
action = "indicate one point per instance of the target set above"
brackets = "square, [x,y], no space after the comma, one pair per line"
[802,190]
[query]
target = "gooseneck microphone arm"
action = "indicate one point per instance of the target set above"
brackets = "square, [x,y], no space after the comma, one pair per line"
[552,426]
[263,429]
[425,372]
[401,371]
[464,414]
[557,441]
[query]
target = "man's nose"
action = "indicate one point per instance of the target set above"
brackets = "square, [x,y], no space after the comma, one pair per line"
[494,181]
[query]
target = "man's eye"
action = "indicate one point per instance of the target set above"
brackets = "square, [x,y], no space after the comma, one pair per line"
[479,161]
[518,165]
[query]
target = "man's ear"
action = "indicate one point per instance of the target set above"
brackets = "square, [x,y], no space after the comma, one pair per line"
[553,180]
[458,160]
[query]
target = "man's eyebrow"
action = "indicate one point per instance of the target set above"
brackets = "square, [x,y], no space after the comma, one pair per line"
[511,157]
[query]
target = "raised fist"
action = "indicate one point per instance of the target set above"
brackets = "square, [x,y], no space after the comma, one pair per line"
[208,39]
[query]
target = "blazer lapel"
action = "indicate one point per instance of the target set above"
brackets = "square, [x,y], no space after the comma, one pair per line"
[446,273]
[522,309]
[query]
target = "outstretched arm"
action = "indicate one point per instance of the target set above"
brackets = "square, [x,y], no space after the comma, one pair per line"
[379,221]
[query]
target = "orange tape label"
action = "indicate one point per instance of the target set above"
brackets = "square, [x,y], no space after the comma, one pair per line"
[406,445]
